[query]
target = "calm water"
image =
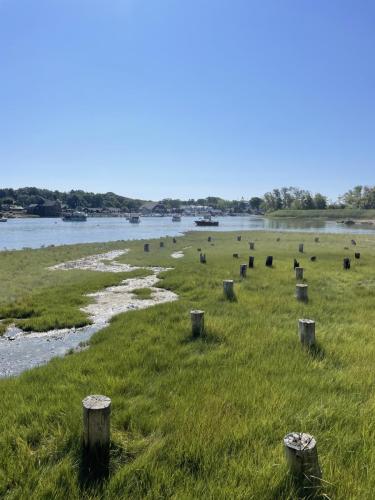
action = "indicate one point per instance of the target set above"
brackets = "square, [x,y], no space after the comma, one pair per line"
[34,233]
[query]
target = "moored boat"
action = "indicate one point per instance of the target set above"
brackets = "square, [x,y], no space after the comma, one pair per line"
[3,219]
[75,217]
[176,218]
[206,222]
[134,219]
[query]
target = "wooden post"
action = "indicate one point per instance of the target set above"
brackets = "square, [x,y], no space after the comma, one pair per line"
[228,288]
[202,258]
[300,247]
[277,239]
[295,264]
[199,249]
[301,292]
[357,255]
[313,258]
[353,242]
[316,239]
[299,273]
[306,331]
[96,430]
[243,269]
[235,255]
[252,245]
[346,263]
[238,238]
[302,456]
[174,240]
[251,261]
[146,247]
[209,238]
[269,261]
[162,244]
[197,322]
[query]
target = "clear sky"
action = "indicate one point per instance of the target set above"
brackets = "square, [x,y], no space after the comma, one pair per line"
[187,98]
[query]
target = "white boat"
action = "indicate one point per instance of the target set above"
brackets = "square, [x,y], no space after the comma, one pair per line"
[3,219]
[75,217]
[176,218]
[134,219]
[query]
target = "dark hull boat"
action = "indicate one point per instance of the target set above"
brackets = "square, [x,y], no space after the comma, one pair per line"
[207,222]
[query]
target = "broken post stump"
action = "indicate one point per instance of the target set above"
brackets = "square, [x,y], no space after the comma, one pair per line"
[277,239]
[299,273]
[243,269]
[251,245]
[346,263]
[199,249]
[96,431]
[161,244]
[357,255]
[306,332]
[300,247]
[353,242]
[235,255]
[316,239]
[313,258]
[295,264]
[202,258]
[209,239]
[146,247]
[251,261]
[238,238]
[197,322]
[301,292]
[228,287]
[174,240]
[269,261]
[302,457]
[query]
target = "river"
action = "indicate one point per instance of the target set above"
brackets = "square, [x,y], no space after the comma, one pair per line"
[35,233]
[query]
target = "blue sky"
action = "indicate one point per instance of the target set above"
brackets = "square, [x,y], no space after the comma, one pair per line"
[174,98]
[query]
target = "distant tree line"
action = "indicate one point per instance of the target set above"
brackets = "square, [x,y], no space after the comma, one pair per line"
[72,199]
[359,197]
[293,198]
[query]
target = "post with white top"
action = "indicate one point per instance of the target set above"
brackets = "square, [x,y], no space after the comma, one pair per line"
[306,332]
[96,432]
[228,287]
[301,292]
[302,457]
[197,322]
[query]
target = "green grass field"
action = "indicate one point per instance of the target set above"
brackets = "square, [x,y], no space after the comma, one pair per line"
[336,214]
[197,418]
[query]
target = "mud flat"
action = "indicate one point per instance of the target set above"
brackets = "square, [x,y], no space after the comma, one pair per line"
[20,351]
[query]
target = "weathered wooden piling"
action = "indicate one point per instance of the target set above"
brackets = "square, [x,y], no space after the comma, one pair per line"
[313,258]
[238,238]
[199,249]
[306,332]
[251,245]
[300,247]
[357,255]
[228,288]
[299,273]
[209,238]
[277,239]
[295,263]
[316,239]
[243,269]
[146,247]
[301,292]
[161,244]
[174,240]
[202,258]
[346,263]
[96,430]
[251,262]
[353,242]
[197,322]
[269,261]
[302,457]
[235,255]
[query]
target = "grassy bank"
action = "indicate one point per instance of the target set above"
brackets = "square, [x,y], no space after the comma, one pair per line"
[345,213]
[198,418]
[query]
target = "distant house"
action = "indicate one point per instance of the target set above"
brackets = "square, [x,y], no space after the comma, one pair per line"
[152,208]
[46,208]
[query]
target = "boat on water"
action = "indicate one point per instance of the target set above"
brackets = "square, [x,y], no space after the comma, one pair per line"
[134,219]
[75,217]
[206,222]
[176,218]
[3,219]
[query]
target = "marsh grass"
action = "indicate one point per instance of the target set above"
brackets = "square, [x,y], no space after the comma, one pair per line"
[142,293]
[201,418]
